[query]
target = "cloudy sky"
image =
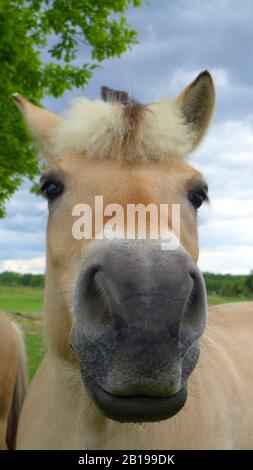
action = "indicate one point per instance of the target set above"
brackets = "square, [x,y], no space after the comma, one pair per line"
[178,39]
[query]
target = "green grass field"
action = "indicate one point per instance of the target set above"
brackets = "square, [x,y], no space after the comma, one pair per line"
[21,299]
[218,299]
[28,300]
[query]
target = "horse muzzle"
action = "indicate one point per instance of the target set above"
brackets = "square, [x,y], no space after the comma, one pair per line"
[139,313]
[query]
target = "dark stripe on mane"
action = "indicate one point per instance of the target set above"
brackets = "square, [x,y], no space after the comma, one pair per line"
[132,112]
[119,96]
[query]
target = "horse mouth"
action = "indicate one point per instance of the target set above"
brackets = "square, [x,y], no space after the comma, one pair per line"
[135,408]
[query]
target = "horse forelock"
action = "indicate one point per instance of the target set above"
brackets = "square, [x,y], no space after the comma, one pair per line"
[120,128]
[109,94]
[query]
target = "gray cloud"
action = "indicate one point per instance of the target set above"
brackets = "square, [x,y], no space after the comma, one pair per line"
[189,36]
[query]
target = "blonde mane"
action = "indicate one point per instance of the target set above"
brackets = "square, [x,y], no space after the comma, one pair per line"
[122,129]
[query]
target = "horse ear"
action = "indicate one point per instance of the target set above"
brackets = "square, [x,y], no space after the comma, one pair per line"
[40,122]
[197,104]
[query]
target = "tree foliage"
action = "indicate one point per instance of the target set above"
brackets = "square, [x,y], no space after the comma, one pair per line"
[39,43]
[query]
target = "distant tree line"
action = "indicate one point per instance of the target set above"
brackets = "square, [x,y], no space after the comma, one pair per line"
[226,285]
[8,278]
[229,285]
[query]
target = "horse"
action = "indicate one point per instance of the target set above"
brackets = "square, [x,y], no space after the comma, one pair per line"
[132,362]
[13,380]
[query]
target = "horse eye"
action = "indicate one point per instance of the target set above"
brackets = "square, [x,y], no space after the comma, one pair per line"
[52,190]
[197,197]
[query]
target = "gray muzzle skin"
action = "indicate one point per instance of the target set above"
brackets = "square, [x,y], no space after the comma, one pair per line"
[139,313]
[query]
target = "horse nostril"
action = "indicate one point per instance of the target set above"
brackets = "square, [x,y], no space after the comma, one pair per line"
[99,297]
[194,291]
[193,318]
[96,301]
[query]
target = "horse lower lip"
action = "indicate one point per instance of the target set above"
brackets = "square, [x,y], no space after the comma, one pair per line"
[135,408]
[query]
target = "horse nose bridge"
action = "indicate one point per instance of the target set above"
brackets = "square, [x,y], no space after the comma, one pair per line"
[132,268]
[129,260]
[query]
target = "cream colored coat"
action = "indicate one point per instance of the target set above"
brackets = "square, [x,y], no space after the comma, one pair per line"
[218,413]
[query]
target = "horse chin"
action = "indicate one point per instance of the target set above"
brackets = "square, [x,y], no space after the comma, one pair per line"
[134,409]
